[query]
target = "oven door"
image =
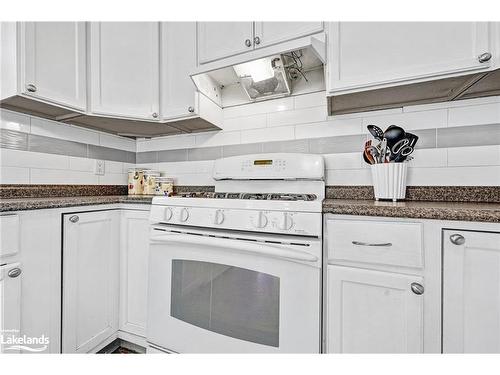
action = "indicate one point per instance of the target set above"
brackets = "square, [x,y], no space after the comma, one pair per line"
[227,294]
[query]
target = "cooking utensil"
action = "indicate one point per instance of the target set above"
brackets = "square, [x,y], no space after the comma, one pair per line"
[367,156]
[401,150]
[393,134]
[377,133]
[382,151]
[412,138]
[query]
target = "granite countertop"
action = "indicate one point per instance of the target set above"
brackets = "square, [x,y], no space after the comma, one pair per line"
[484,212]
[22,204]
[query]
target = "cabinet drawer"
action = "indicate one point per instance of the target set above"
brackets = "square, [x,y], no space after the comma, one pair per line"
[390,243]
[9,236]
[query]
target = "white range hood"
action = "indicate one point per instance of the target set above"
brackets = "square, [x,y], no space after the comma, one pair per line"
[291,68]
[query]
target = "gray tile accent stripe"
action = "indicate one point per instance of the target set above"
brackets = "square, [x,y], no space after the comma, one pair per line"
[478,135]
[16,140]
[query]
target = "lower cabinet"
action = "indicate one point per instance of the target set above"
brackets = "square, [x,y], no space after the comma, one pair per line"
[91,256]
[134,239]
[471,292]
[373,312]
[10,306]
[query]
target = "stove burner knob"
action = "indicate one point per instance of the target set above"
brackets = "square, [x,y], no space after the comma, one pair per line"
[260,221]
[168,214]
[219,217]
[286,222]
[184,215]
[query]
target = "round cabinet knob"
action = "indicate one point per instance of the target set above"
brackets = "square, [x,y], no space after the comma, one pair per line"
[417,288]
[457,239]
[248,43]
[219,217]
[31,88]
[184,215]
[190,109]
[155,115]
[74,218]
[256,40]
[168,214]
[260,220]
[286,222]
[484,57]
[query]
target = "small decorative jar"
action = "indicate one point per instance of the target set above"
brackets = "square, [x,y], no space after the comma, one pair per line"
[150,182]
[135,181]
[164,186]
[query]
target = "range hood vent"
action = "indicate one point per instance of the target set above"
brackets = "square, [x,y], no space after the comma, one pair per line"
[436,91]
[295,67]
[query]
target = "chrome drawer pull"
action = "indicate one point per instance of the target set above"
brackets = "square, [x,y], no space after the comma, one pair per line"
[371,244]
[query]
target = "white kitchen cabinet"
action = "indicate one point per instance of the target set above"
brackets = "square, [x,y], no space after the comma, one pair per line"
[134,250]
[217,40]
[10,306]
[373,312]
[91,256]
[53,62]
[367,55]
[178,59]
[471,292]
[269,33]
[124,69]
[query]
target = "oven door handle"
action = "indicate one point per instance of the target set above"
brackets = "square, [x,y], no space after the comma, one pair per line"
[238,245]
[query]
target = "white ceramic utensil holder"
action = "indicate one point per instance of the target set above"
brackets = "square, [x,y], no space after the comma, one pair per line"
[389,180]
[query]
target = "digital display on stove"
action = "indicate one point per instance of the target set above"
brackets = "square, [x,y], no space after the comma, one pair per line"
[262,162]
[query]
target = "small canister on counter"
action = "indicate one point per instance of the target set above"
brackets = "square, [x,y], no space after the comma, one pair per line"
[135,181]
[164,186]
[150,178]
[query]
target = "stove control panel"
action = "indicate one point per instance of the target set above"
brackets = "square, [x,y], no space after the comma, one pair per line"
[286,222]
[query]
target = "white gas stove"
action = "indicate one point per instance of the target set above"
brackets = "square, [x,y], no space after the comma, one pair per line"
[239,269]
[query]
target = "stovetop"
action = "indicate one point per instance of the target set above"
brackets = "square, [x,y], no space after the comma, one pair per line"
[250,196]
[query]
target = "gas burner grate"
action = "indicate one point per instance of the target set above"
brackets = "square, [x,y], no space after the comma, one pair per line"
[251,196]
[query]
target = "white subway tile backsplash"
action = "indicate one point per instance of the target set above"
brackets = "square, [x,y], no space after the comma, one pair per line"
[282,133]
[120,143]
[429,158]
[475,115]
[113,179]
[347,160]
[210,139]
[61,176]
[270,106]
[310,100]
[166,143]
[14,175]
[454,176]
[298,116]
[348,177]
[14,121]
[474,156]
[113,166]
[329,128]
[243,123]
[29,159]
[410,120]
[59,130]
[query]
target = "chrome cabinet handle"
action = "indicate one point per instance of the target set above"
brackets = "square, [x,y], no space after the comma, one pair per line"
[190,109]
[15,272]
[358,243]
[155,115]
[484,57]
[74,218]
[31,88]
[457,239]
[256,40]
[248,42]
[417,288]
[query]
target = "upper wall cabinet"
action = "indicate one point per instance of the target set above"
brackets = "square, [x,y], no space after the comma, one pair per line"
[217,40]
[366,55]
[178,58]
[53,62]
[124,69]
[268,33]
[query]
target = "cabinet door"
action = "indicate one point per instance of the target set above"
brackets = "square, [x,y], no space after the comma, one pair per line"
[471,292]
[178,59]
[217,40]
[373,312]
[134,271]
[124,69]
[368,54]
[55,62]
[269,33]
[10,306]
[90,279]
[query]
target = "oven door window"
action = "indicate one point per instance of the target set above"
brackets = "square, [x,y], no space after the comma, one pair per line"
[232,301]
